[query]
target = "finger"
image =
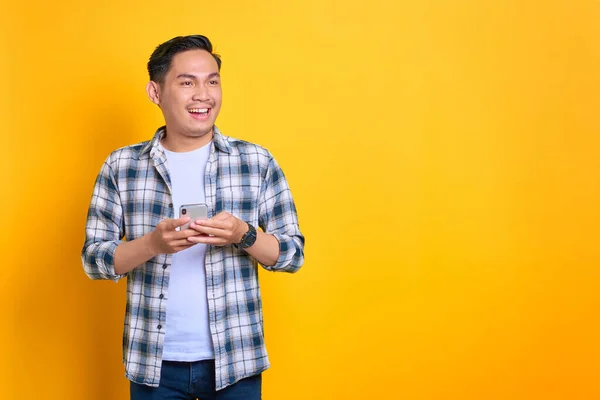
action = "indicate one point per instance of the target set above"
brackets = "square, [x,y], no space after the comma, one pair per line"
[185,247]
[213,240]
[214,223]
[173,224]
[207,230]
[181,243]
[184,234]
[195,227]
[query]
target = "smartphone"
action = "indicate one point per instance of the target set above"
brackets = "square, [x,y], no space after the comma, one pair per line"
[194,211]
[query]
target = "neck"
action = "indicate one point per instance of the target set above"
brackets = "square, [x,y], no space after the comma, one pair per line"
[180,143]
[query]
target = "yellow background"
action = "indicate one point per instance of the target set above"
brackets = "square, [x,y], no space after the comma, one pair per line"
[444,159]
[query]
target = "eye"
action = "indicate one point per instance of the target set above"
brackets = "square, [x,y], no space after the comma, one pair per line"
[213,82]
[187,83]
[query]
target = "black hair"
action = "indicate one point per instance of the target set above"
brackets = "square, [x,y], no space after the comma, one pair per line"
[160,60]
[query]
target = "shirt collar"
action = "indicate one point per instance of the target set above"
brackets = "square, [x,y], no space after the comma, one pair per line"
[220,141]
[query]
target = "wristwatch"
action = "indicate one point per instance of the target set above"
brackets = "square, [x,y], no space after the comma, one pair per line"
[248,239]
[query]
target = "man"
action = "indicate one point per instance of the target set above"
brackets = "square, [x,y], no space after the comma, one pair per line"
[193,324]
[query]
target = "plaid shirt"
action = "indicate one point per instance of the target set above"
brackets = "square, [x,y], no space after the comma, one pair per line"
[132,194]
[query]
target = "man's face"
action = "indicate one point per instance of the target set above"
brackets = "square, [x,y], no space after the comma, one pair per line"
[190,97]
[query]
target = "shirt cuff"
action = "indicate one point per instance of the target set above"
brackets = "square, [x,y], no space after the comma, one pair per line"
[289,260]
[105,257]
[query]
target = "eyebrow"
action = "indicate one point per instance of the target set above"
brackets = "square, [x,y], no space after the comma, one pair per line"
[191,76]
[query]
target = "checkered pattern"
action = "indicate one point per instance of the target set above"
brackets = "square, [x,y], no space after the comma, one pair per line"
[132,195]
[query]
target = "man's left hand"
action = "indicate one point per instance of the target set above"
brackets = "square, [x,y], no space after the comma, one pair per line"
[220,230]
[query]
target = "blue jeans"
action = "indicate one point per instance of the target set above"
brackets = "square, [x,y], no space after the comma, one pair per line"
[195,380]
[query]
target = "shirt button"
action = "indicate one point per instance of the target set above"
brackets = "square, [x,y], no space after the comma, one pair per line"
[170,205]
[164,266]
[161,296]
[159,326]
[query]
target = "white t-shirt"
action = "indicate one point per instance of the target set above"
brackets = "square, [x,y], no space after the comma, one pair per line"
[187,336]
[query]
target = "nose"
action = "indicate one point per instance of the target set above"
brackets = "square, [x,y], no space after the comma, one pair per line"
[201,93]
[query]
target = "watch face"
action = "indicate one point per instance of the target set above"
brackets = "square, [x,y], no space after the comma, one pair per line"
[249,238]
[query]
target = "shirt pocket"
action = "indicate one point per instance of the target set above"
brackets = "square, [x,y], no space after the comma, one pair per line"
[242,204]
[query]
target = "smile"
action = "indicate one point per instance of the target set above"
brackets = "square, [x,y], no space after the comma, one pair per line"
[199,113]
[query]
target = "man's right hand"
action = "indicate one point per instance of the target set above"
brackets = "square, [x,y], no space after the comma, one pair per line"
[166,239]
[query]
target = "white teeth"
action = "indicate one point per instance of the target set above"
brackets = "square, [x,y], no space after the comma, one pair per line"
[199,110]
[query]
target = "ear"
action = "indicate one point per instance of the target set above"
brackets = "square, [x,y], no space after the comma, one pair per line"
[153,90]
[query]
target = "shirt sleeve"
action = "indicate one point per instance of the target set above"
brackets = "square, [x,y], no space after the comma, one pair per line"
[278,217]
[104,228]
